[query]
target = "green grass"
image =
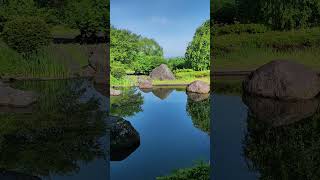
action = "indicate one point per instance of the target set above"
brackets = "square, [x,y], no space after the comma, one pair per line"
[248,58]
[181,78]
[249,51]
[54,61]
[199,172]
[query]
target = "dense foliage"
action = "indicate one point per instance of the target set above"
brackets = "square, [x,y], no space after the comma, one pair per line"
[89,16]
[136,53]
[26,34]
[198,51]
[277,14]
[199,172]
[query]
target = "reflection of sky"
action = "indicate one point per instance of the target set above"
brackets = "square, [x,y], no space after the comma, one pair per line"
[168,140]
[228,124]
[171,23]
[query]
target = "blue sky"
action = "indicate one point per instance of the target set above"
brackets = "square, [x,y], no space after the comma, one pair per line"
[171,23]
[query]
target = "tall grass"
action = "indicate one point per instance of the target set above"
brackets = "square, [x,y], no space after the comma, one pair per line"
[41,65]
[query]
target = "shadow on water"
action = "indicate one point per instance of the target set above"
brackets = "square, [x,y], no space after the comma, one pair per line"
[59,136]
[283,138]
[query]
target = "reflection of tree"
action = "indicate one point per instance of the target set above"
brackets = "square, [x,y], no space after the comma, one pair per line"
[59,132]
[200,113]
[284,152]
[127,104]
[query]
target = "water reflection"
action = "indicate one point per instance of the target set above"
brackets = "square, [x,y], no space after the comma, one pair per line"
[283,138]
[128,104]
[165,130]
[198,107]
[162,93]
[64,129]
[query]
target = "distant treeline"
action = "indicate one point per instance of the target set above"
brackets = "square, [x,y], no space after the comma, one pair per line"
[276,14]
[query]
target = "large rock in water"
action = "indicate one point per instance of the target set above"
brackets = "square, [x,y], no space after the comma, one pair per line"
[198,87]
[16,98]
[162,72]
[124,138]
[145,83]
[284,80]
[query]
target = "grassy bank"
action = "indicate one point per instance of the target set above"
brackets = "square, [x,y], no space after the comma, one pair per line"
[55,61]
[182,77]
[247,51]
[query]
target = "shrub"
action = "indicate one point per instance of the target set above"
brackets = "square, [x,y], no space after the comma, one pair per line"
[199,171]
[118,70]
[177,63]
[144,64]
[26,35]
[240,28]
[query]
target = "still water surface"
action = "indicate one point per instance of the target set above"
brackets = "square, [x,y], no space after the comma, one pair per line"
[258,138]
[171,128]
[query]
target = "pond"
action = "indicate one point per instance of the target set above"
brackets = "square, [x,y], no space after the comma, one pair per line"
[259,138]
[173,129]
[63,136]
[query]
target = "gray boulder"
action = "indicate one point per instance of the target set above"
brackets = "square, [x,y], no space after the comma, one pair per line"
[145,83]
[283,79]
[114,92]
[162,72]
[124,138]
[16,98]
[198,87]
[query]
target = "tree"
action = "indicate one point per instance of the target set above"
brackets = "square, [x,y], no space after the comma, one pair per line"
[89,16]
[198,51]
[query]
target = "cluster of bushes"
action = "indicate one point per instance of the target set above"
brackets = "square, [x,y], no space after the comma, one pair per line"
[239,29]
[132,52]
[278,15]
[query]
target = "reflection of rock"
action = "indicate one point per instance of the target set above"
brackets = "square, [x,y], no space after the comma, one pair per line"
[145,83]
[124,138]
[196,97]
[162,93]
[198,87]
[10,175]
[114,92]
[87,71]
[16,98]
[283,80]
[278,113]
[162,72]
